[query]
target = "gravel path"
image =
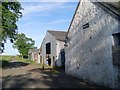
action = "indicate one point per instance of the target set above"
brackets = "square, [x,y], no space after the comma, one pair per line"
[32,76]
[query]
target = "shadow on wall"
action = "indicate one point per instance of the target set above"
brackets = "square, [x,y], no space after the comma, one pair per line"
[60,62]
[37,78]
[90,74]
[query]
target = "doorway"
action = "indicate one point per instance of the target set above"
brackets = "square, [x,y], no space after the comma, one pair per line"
[62,52]
[41,59]
[116,54]
[48,48]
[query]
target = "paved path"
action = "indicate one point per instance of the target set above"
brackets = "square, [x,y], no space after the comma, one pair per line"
[32,76]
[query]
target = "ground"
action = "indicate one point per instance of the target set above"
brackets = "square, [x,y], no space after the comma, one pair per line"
[21,75]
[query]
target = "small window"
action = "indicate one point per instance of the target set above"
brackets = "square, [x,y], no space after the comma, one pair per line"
[116,39]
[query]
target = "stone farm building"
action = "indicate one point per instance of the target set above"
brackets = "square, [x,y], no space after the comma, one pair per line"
[33,54]
[53,46]
[93,43]
[40,55]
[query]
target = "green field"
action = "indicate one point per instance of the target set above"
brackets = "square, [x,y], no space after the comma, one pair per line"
[5,59]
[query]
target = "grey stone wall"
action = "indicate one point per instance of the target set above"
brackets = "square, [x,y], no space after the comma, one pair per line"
[116,55]
[89,50]
[116,60]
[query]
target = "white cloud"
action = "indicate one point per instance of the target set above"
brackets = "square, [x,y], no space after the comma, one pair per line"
[53,22]
[27,24]
[49,0]
[67,6]
[43,7]
[67,0]
[57,21]
[40,7]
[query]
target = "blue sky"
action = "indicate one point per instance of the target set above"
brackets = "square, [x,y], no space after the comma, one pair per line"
[38,17]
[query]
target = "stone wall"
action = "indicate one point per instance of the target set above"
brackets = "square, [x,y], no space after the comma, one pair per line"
[116,55]
[116,60]
[89,50]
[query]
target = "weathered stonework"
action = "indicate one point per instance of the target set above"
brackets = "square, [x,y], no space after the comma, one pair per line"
[116,55]
[89,50]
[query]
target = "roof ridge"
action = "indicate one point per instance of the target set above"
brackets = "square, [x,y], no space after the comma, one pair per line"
[55,31]
[59,35]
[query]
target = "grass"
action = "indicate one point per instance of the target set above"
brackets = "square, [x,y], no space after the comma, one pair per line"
[4,60]
[24,60]
[55,71]
[3,63]
[6,57]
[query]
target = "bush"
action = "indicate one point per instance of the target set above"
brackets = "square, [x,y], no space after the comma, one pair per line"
[20,56]
[6,57]
[4,63]
[55,72]
[58,67]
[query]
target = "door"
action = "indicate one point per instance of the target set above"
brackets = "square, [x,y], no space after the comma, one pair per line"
[41,59]
[63,58]
[116,54]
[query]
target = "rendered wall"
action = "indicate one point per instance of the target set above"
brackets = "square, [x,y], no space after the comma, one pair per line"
[56,46]
[60,45]
[89,50]
[49,38]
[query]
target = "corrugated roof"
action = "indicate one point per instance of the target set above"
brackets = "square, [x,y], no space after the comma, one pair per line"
[59,35]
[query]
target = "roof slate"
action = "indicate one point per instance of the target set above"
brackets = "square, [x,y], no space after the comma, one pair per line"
[59,35]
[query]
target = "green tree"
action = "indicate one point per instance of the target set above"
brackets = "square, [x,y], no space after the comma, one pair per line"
[10,12]
[23,44]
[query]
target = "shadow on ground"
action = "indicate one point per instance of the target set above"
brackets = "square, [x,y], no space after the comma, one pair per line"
[10,65]
[39,78]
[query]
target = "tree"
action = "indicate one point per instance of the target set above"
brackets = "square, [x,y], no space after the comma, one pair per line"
[23,44]
[11,12]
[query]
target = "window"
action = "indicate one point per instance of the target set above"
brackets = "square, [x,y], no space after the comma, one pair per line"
[48,48]
[116,49]
[116,39]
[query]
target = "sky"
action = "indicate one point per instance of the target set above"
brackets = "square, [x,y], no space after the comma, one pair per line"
[38,17]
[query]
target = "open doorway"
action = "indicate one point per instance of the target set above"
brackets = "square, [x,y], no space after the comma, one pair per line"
[62,52]
[48,48]
[116,39]
[116,54]
[41,59]
[116,49]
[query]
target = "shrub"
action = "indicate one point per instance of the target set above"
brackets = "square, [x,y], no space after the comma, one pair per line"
[4,63]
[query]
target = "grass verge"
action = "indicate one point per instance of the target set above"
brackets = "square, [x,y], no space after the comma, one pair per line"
[3,63]
[55,72]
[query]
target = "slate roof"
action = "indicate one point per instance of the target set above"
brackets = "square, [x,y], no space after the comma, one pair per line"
[59,35]
[114,7]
